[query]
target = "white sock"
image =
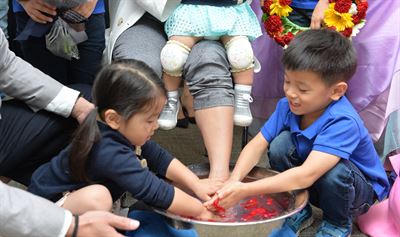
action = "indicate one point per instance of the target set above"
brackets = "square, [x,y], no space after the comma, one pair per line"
[245,88]
[173,94]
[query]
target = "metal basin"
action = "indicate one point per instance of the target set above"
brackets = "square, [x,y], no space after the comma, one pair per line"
[297,201]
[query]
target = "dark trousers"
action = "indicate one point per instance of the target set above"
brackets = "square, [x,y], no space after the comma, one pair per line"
[67,72]
[29,139]
[342,193]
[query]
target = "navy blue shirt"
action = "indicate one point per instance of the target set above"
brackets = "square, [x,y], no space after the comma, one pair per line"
[113,163]
[338,131]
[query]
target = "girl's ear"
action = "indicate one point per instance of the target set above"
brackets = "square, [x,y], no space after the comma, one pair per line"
[112,119]
[338,90]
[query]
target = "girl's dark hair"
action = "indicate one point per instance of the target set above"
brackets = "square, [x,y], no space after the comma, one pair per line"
[126,86]
[325,52]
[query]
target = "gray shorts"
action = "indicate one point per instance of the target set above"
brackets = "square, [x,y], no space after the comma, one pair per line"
[206,70]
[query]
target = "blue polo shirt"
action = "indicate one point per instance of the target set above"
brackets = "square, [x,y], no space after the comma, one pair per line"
[338,131]
[98,9]
[304,4]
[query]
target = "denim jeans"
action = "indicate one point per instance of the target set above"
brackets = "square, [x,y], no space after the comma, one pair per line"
[342,193]
[83,70]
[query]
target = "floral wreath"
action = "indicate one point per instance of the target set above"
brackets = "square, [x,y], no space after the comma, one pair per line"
[344,16]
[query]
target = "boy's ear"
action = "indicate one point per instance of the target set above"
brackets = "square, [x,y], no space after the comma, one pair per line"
[338,90]
[112,119]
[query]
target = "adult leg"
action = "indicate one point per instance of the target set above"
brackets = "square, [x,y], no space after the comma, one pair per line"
[29,139]
[143,42]
[35,52]
[208,78]
[84,69]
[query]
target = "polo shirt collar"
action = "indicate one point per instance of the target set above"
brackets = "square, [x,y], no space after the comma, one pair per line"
[314,128]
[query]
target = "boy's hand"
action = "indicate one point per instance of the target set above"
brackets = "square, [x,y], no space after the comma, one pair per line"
[229,195]
[319,14]
[206,187]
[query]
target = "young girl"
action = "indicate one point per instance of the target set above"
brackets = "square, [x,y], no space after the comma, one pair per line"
[113,145]
[235,24]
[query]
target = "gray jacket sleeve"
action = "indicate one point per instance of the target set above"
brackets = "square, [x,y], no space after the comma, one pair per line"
[21,80]
[24,214]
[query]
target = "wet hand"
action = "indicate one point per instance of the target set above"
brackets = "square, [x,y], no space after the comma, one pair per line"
[206,187]
[86,9]
[230,194]
[207,215]
[319,14]
[37,10]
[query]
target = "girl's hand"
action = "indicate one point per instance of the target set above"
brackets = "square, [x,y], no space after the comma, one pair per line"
[207,215]
[319,14]
[203,188]
[36,9]
[229,195]
[86,9]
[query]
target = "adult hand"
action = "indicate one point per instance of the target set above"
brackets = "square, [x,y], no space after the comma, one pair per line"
[87,8]
[319,14]
[37,9]
[231,193]
[81,109]
[206,187]
[102,224]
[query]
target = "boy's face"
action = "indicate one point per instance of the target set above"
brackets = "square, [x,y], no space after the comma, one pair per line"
[307,94]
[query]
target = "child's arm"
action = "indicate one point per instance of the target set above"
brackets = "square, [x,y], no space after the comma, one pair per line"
[180,174]
[316,165]
[249,157]
[186,205]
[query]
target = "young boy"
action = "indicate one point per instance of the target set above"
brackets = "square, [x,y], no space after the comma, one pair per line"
[316,140]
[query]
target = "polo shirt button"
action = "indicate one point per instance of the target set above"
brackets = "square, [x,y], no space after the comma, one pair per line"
[120,21]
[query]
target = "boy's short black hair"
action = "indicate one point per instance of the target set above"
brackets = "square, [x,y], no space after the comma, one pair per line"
[323,51]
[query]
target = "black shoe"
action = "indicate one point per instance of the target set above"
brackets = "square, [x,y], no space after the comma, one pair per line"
[183,123]
[192,120]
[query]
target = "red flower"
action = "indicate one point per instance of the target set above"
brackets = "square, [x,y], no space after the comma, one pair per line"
[343,6]
[285,2]
[362,9]
[280,41]
[267,5]
[347,32]
[288,37]
[273,25]
[356,19]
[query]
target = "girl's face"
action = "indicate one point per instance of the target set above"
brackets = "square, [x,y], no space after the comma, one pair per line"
[141,126]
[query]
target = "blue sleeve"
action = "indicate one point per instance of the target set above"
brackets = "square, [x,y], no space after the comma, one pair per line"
[120,164]
[276,123]
[158,159]
[339,137]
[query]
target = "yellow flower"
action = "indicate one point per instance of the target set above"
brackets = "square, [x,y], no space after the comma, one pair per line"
[340,21]
[278,9]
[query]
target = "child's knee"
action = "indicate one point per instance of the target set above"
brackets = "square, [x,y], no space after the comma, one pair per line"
[173,57]
[280,146]
[240,54]
[99,198]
